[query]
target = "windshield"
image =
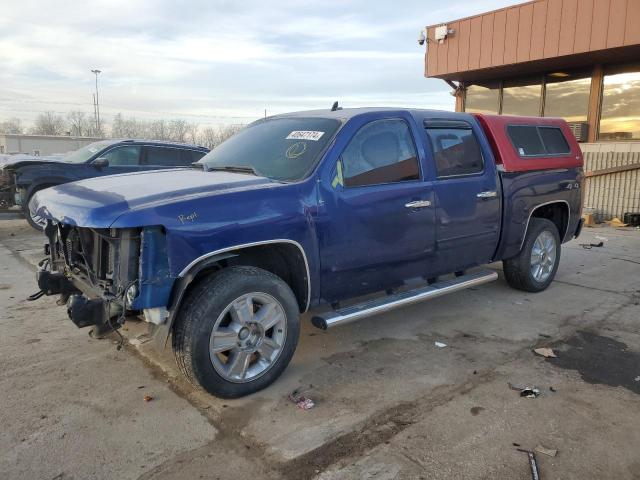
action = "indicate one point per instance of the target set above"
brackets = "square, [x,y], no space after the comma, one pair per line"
[85,153]
[280,148]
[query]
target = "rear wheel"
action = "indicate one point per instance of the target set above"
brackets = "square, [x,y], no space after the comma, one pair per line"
[237,331]
[534,268]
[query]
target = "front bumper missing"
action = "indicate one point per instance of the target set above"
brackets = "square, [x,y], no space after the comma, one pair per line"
[82,311]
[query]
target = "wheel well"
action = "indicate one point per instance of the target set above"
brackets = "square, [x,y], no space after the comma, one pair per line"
[285,260]
[36,188]
[557,212]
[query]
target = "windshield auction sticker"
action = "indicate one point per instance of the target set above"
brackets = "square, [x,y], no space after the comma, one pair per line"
[305,135]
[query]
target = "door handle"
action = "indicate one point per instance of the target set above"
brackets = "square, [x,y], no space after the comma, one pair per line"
[418,204]
[487,194]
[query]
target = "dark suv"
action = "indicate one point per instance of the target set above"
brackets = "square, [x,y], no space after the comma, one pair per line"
[24,177]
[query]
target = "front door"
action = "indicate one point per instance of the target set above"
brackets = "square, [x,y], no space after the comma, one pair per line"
[467,198]
[378,213]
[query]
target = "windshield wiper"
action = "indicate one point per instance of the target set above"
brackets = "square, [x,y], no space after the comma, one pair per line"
[233,168]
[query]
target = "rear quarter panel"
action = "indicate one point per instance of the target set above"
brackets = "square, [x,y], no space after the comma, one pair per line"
[525,191]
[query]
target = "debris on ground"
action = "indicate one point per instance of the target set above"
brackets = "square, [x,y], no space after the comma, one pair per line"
[616,222]
[440,344]
[148,398]
[637,379]
[533,464]
[301,401]
[525,391]
[552,389]
[589,246]
[545,352]
[551,452]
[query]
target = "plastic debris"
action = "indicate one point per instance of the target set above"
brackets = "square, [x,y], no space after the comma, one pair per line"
[301,401]
[545,352]
[551,452]
[525,391]
[440,344]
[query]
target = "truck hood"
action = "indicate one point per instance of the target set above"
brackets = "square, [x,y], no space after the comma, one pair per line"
[98,202]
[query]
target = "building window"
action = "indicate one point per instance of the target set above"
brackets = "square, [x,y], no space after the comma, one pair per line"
[620,117]
[482,99]
[567,96]
[522,97]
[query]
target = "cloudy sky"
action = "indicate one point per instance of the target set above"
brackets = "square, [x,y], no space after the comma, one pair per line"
[218,61]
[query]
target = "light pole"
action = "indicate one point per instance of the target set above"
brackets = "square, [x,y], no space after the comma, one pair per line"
[96,72]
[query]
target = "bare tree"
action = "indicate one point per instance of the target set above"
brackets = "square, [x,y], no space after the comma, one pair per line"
[159,130]
[211,137]
[79,124]
[127,127]
[177,130]
[11,126]
[48,123]
[192,133]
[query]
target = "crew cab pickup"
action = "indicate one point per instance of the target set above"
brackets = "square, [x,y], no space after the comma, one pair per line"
[22,177]
[311,211]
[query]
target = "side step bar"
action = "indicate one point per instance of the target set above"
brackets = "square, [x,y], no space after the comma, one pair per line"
[384,304]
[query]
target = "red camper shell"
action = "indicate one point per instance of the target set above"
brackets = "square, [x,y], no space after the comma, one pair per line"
[523,144]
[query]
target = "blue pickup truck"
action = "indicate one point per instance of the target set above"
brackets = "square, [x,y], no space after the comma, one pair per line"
[311,211]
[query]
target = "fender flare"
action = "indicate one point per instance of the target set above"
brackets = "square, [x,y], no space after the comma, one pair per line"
[161,332]
[566,230]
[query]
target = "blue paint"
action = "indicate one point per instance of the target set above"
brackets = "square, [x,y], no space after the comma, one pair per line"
[155,280]
[357,240]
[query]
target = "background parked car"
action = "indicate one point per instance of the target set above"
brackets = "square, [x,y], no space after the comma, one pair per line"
[23,177]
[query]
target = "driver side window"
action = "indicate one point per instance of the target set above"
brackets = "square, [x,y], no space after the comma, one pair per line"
[380,152]
[127,156]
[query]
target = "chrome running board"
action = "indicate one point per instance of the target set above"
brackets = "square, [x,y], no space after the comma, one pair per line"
[381,305]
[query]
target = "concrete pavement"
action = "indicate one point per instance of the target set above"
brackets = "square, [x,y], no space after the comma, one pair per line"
[390,404]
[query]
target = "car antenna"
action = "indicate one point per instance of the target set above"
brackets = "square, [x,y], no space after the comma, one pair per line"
[335,106]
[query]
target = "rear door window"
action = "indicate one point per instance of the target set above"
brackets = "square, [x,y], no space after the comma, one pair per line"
[165,157]
[193,156]
[455,150]
[531,140]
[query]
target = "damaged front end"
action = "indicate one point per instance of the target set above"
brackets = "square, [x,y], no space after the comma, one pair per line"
[104,274]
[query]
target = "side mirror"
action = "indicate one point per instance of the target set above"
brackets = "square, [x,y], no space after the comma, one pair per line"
[100,162]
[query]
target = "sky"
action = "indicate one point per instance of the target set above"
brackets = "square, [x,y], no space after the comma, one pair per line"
[215,62]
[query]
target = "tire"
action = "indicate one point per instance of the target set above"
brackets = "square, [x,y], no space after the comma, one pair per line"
[522,271]
[221,344]
[31,219]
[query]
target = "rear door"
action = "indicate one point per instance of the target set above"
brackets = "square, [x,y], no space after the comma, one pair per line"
[467,196]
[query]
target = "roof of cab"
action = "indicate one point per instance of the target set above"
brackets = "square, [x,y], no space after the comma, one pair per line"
[344,114]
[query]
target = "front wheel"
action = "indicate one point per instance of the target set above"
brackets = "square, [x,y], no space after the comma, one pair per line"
[236,331]
[36,221]
[535,267]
